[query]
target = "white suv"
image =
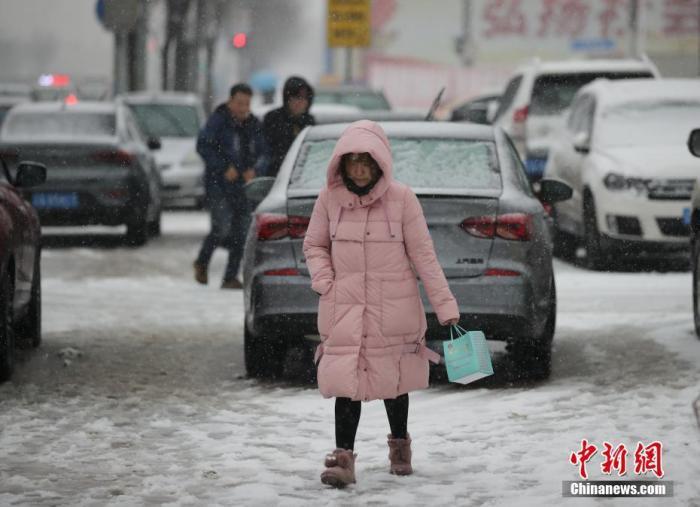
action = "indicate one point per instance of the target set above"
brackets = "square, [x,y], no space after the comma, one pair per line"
[622,152]
[538,93]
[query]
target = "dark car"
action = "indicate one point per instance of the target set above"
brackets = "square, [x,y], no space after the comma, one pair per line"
[491,234]
[693,219]
[101,169]
[20,273]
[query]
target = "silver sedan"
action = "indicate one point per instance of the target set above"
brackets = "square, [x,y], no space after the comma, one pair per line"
[491,233]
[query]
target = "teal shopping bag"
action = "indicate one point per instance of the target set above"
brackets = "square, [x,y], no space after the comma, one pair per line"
[467,356]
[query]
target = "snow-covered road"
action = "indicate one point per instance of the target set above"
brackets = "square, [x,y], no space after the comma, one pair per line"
[138,396]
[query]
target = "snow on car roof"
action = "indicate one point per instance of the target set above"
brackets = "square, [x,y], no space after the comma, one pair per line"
[615,92]
[160,97]
[58,106]
[429,129]
[11,100]
[346,88]
[575,66]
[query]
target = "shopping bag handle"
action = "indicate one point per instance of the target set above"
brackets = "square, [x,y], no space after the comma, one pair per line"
[460,331]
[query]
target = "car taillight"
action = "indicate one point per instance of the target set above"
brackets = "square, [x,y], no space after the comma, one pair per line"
[520,115]
[117,193]
[515,226]
[298,226]
[500,272]
[481,227]
[282,272]
[511,226]
[114,157]
[276,226]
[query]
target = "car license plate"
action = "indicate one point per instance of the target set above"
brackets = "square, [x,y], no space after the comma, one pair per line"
[686,216]
[55,200]
[535,166]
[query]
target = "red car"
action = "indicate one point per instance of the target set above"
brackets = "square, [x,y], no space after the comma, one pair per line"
[20,275]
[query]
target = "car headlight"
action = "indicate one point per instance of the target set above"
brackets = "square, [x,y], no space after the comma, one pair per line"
[618,182]
[614,181]
[192,159]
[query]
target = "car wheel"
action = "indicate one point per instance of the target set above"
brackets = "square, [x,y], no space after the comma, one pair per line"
[7,341]
[596,257]
[564,243]
[29,326]
[137,232]
[264,356]
[531,358]
[696,283]
[154,227]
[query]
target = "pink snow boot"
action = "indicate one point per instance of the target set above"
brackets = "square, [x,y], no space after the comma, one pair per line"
[400,455]
[340,468]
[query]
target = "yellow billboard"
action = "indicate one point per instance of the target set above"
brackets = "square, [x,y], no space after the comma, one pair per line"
[348,23]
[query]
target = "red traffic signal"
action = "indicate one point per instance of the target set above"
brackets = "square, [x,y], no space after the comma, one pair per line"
[240,40]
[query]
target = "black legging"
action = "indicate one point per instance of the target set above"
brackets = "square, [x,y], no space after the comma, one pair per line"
[347,418]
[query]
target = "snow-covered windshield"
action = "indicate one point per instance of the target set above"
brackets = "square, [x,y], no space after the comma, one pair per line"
[454,164]
[166,120]
[648,123]
[58,125]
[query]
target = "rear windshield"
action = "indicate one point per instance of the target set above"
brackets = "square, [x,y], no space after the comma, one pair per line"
[362,100]
[166,120]
[58,125]
[552,93]
[450,164]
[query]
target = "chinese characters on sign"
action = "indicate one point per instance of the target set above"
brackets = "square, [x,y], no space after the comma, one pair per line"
[646,458]
[605,19]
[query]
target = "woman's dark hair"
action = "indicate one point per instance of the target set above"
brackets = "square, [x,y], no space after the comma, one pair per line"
[241,88]
[367,159]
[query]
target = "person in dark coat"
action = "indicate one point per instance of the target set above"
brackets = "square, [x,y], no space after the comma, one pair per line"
[283,124]
[234,151]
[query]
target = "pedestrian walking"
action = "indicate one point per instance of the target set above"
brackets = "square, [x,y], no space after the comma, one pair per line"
[233,148]
[282,125]
[366,236]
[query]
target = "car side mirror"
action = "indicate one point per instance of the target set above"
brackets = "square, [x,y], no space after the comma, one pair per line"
[694,142]
[582,143]
[257,189]
[552,191]
[30,174]
[154,143]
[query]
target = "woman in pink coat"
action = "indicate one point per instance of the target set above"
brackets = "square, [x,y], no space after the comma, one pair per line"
[365,244]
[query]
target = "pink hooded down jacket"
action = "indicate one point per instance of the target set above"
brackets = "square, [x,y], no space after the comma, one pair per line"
[363,254]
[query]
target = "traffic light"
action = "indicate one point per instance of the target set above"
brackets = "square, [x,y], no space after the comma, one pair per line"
[239,40]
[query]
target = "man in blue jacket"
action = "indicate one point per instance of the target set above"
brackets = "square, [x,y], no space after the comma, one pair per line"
[234,152]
